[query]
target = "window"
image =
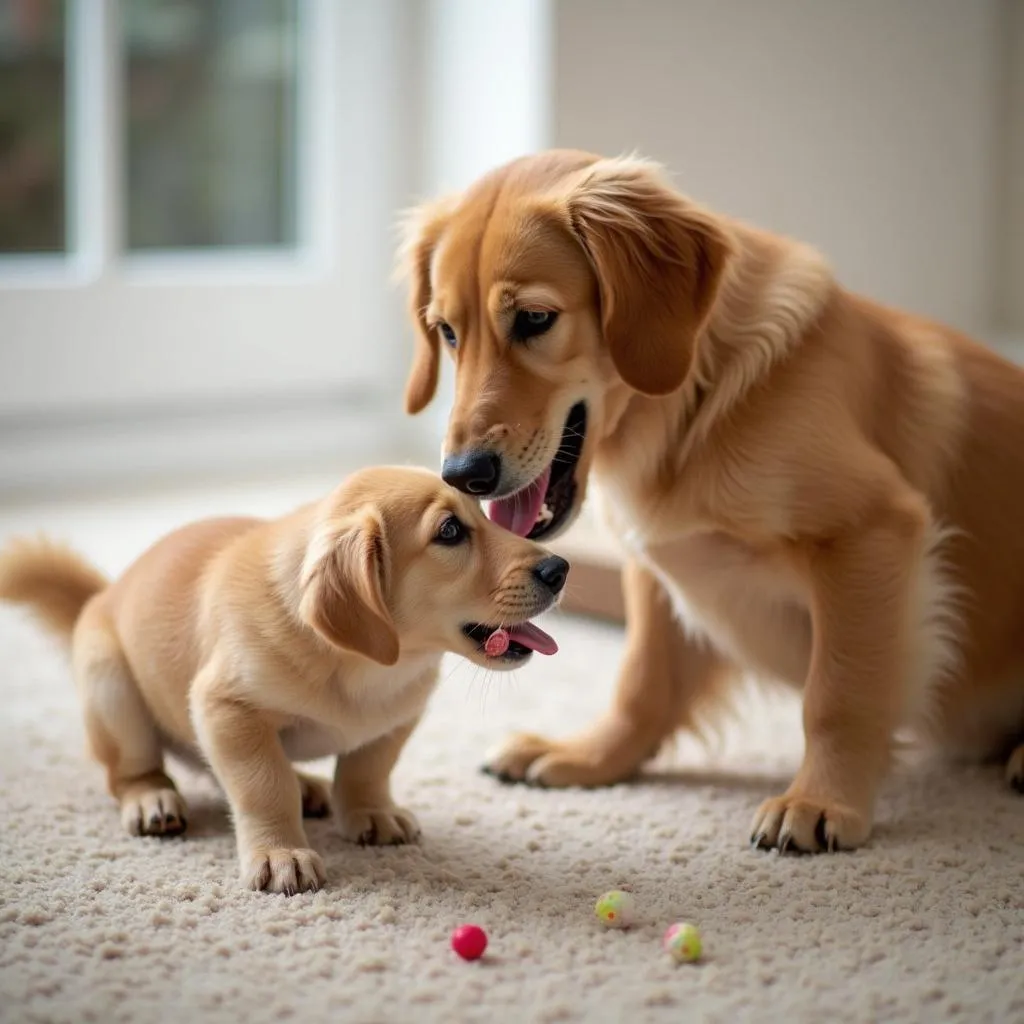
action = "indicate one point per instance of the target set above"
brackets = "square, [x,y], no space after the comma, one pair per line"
[210,125]
[197,202]
[32,126]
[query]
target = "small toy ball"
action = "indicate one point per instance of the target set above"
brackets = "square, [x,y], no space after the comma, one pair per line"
[682,943]
[496,644]
[615,909]
[469,941]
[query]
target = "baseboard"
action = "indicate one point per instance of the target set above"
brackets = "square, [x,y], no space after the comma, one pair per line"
[47,454]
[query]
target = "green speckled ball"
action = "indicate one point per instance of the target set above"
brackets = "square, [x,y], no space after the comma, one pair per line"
[615,909]
[682,943]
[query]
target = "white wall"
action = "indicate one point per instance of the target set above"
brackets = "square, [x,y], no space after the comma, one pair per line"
[486,99]
[867,127]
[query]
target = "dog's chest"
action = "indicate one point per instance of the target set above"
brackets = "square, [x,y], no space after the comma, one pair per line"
[359,709]
[747,603]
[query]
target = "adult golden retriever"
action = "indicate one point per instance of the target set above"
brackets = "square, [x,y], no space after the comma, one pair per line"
[812,487]
[247,644]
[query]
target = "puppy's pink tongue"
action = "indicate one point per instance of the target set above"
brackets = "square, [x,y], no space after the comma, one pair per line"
[529,635]
[533,637]
[519,512]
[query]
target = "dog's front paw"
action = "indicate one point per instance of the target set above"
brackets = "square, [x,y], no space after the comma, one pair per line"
[541,762]
[378,826]
[798,824]
[283,871]
[512,761]
[1015,769]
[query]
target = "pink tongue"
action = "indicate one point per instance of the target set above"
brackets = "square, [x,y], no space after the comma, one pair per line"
[519,512]
[525,633]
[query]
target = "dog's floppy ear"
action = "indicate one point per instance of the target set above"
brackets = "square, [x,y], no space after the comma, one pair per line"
[343,585]
[658,260]
[421,229]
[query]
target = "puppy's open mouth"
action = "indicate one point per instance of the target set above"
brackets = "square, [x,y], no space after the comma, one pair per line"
[510,643]
[541,507]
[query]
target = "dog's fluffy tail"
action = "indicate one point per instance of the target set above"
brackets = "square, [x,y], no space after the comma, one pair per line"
[51,580]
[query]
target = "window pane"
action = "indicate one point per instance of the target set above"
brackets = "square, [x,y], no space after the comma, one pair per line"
[32,69]
[210,135]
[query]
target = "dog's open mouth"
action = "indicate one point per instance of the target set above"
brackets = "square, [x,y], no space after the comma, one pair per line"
[541,507]
[510,643]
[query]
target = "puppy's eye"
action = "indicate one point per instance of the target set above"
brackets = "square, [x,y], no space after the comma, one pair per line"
[452,532]
[448,333]
[529,323]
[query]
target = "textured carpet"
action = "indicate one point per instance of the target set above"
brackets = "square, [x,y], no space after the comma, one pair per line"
[927,923]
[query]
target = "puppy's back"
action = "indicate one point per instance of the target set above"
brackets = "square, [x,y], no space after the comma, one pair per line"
[153,608]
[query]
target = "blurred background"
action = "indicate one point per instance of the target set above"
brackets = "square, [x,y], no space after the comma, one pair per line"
[198,198]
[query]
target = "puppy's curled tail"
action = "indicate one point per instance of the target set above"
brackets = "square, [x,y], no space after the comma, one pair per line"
[51,580]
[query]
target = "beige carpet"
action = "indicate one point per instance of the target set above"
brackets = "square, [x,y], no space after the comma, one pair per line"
[925,924]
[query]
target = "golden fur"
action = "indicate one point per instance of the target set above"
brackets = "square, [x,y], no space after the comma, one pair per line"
[251,644]
[813,488]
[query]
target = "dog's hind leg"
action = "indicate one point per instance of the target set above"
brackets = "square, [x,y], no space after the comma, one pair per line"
[123,735]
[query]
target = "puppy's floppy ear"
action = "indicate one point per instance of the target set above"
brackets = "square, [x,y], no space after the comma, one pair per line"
[658,260]
[343,584]
[421,230]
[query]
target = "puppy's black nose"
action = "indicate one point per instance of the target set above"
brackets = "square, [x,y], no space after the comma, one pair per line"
[552,572]
[475,472]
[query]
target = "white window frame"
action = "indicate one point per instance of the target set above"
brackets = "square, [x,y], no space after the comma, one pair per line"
[101,343]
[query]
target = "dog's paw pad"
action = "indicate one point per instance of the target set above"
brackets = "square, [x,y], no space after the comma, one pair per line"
[284,871]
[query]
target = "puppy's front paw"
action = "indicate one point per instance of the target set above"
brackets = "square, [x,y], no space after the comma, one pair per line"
[283,871]
[154,812]
[378,826]
[1015,770]
[799,824]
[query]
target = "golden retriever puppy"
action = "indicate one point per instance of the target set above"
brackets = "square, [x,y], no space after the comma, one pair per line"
[812,488]
[252,644]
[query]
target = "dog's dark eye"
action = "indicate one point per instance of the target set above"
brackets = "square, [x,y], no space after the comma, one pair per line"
[529,323]
[452,532]
[448,333]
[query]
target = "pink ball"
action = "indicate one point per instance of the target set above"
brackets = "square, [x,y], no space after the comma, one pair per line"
[497,643]
[469,941]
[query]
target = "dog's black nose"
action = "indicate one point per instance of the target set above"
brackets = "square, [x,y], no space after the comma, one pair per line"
[552,572]
[475,472]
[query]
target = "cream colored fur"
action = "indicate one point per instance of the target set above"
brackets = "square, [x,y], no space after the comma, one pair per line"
[246,645]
